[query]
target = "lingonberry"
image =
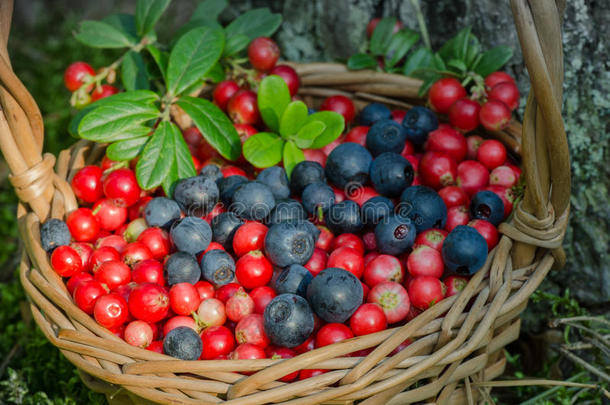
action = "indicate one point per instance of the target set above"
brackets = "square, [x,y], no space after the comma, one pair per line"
[108,163]
[506,195]
[148,271]
[84,250]
[431,237]
[103,91]
[332,333]
[156,346]
[347,258]
[149,302]
[253,270]
[101,255]
[135,252]
[437,170]
[261,297]
[383,268]
[491,154]
[502,176]
[289,75]
[449,141]
[109,215]
[157,241]
[317,262]
[487,230]
[121,186]
[110,310]
[340,104]
[66,261]
[392,298]
[426,291]
[76,280]
[506,92]
[444,92]
[83,225]
[315,155]
[497,77]
[276,352]
[250,329]
[180,320]
[223,93]
[205,290]
[473,142]
[454,284]
[457,215]
[425,261]
[137,210]
[87,184]
[211,312]
[86,293]
[183,298]
[369,257]
[217,341]
[76,74]
[113,274]
[369,318]
[226,291]
[247,351]
[398,115]
[138,333]
[494,115]
[453,195]
[357,135]
[370,243]
[472,176]
[263,53]
[331,146]
[464,114]
[349,240]
[239,305]
[243,107]
[248,237]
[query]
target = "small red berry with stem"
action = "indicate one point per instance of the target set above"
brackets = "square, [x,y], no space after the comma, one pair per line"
[103,91]
[437,170]
[248,237]
[184,298]
[211,312]
[113,274]
[77,74]
[250,329]
[253,270]
[149,302]
[458,215]
[506,92]
[83,225]
[121,186]
[263,53]
[432,237]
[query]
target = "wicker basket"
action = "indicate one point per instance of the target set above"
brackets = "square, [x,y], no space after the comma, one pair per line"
[458,342]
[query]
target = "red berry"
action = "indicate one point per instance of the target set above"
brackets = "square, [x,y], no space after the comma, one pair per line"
[251,330]
[444,92]
[177,321]
[113,273]
[86,293]
[105,90]
[223,93]
[275,352]
[109,215]
[432,237]
[139,333]
[253,270]
[306,346]
[121,186]
[227,291]
[315,155]
[317,262]
[425,261]
[464,114]
[211,312]
[217,341]
[326,238]
[487,230]
[110,310]
[392,298]
[332,333]
[360,195]
[357,135]
[399,115]
[473,142]
[368,318]
[383,268]
[157,241]
[248,237]
[136,210]
[341,105]
[458,215]
[261,297]
[494,115]
[289,75]
[183,298]
[472,176]
[114,241]
[497,77]
[453,196]
[76,74]
[76,280]
[454,284]
[66,261]
[243,107]
[85,251]
[331,146]
[369,257]
[349,240]
[230,170]
[263,53]
[149,302]
[239,305]
[247,351]
[87,184]
[83,225]
[506,195]
[437,170]
[308,373]
[506,92]
[205,290]
[449,141]
[135,252]
[347,258]
[503,176]
[370,243]
[491,154]
[426,291]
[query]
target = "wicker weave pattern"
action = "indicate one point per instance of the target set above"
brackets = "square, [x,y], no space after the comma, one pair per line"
[458,342]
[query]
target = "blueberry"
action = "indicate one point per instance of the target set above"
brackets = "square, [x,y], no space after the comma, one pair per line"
[211,171]
[348,163]
[391,174]
[224,226]
[305,173]
[395,235]
[182,267]
[218,267]
[464,250]
[287,210]
[288,243]
[386,136]
[294,279]
[309,227]
[275,178]
[344,217]
[53,233]
[191,235]
[424,207]
[488,206]
[375,209]
[161,212]
[317,198]
[418,122]
[253,200]
[335,294]
[288,320]
[227,187]
[183,343]
[196,195]
[374,112]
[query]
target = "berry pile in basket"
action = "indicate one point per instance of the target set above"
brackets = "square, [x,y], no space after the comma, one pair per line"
[367,232]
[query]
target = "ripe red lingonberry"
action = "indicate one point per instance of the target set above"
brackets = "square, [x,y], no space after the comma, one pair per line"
[317,262]
[83,225]
[211,312]
[243,107]
[449,141]
[350,240]
[110,310]
[113,274]
[454,284]
[138,333]
[357,135]
[458,215]
[444,92]
[226,291]
[399,115]
[261,297]
[66,261]
[425,261]
[86,293]
[503,176]
[497,77]
[383,268]
[472,176]
[184,298]
[347,258]
[253,270]
[340,104]
[487,230]
[263,53]
[101,255]
[473,142]
[248,237]
[157,241]
[432,237]
[217,341]
[507,92]
[453,195]
[103,91]
[76,74]
[289,75]
[135,252]
[84,250]
[332,333]
[149,302]
[223,93]
[76,280]
[121,186]
[494,115]
[393,299]
[148,271]
[87,184]
[491,154]
[437,170]
[426,291]
[464,114]
[205,290]
[368,318]
[315,155]
[109,215]
[239,305]
[250,329]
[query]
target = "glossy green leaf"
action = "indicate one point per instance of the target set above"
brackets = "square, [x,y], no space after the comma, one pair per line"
[273,98]
[293,118]
[194,54]
[214,125]
[98,34]
[236,44]
[456,47]
[157,157]
[182,166]
[335,124]
[125,23]
[493,60]
[263,149]
[148,13]
[361,61]
[160,57]
[209,10]
[421,58]
[216,74]
[399,45]
[133,72]
[126,150]
[457,65]
[259,22]
[474,51]
[308,133]
[292,156]
[382,35]
[189,26]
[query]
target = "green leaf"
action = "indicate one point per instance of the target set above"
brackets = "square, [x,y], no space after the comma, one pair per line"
[159,57]
[474,50]
[192,57]
[458,65]
[98,34]
[292,156]
[308,133]
[157,157]
[148,13]
[382,35]
[259,22]
[192,25]
[421,58]
[263,149]
[209,10]
[133,72]
[216,74]
[493,60]
[125,23]
[214,125]
[117,121]
[182,166]
[361,61]
[399,45]
[456,47]
[126,150]
[236,44]
[334,123]
[293,118]
[273,98]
